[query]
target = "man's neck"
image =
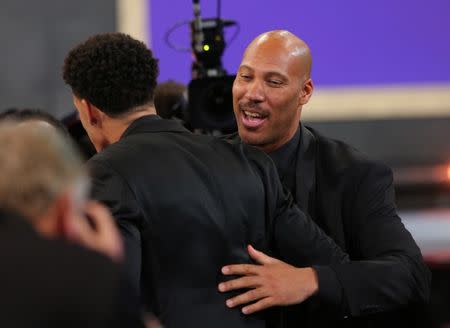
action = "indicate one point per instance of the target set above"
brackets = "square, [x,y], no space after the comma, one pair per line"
[115,127]
[269,148]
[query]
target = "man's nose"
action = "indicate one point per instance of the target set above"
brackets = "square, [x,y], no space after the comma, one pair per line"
[255,91]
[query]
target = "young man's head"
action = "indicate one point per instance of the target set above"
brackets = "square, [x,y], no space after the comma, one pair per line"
[271,86]
[42,176]
[113,77]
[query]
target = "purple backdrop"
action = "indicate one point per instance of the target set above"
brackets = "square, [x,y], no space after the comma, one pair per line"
[353,42]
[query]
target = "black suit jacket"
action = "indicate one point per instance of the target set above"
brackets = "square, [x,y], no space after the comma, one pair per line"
[187,205]
[352,199]
[51,283]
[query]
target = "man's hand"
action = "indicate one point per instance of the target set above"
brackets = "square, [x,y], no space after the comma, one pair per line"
[271,283]
[101,233]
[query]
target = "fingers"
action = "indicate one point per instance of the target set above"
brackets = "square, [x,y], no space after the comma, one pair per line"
[104,236]
[258,306]
[99,215]
[272,282]
[239,283]
[249,269]
[107,234]
[82,231]
[241,269]
[247,297]
[259,257]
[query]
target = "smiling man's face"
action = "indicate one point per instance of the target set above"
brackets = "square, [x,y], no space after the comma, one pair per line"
[268,93]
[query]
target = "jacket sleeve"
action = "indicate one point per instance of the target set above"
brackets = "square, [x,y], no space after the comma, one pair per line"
[299,241]
[295,238]
[111,189]
[387,268]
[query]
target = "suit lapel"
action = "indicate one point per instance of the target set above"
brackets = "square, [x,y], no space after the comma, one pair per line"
[306,172]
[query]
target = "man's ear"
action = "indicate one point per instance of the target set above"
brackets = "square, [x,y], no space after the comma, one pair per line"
[94,115]
[307,91]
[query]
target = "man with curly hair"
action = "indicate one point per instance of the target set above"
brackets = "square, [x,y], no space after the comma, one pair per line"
[186,204]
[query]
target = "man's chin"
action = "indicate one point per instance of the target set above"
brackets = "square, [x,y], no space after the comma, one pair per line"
[251,137]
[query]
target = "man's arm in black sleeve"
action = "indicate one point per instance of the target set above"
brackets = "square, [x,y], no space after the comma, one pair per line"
[110,188]
[388,270]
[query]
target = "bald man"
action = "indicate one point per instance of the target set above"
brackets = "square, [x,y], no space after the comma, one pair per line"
[350,197]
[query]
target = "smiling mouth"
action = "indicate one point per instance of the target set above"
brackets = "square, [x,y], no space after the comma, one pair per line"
[252,119]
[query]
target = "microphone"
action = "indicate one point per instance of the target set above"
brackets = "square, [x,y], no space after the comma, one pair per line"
[198,28]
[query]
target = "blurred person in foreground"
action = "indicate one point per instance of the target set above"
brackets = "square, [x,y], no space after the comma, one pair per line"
[16,114]
[69,125]
[349,196]
[186,204]
[58,269]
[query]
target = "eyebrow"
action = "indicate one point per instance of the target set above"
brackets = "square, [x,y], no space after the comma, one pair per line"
[268,73]
[245,67]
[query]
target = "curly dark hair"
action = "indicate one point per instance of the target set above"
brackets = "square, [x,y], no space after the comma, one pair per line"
[113,71]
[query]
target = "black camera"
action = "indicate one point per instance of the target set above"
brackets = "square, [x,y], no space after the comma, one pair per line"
[209,92]
[211,104]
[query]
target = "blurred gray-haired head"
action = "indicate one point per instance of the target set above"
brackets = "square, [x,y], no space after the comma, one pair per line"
[38,163]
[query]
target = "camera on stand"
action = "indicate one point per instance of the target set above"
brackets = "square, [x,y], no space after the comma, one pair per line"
[209,92]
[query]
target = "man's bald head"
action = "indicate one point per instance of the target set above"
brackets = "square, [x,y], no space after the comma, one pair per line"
[287,43]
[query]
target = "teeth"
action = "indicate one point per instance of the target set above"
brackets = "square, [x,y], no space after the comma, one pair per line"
[255,115]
